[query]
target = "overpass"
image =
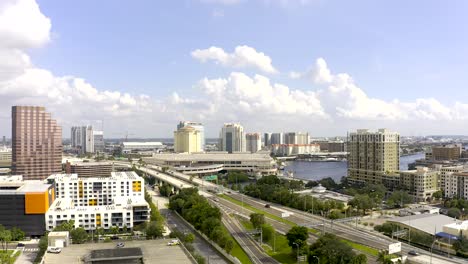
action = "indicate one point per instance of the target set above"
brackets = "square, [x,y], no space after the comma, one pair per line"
[160,177]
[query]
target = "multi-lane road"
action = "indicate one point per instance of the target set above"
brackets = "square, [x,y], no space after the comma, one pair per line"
[298,217]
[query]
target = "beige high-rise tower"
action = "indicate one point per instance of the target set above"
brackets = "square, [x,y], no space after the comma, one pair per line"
[187,139]
[374,157]
[36,143]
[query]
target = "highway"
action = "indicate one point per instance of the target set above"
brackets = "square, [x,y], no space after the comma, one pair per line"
[369,238]
[253,250]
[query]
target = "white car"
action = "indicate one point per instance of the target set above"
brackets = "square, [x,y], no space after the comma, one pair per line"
[173,242]
[55,250]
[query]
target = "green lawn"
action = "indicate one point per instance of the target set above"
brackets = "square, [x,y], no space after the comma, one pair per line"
[357,246]
[362,248]
[256,210]
[237,251]
[12,258]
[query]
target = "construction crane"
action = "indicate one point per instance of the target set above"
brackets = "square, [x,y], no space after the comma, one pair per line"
[125,135]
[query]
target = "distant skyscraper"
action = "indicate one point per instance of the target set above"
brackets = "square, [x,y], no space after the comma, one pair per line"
[4,141]
[276,138]
[187,139]
[267,139]
[253,142]
[199,127]
[36,143]
[99,145]
[373,156]
[82,138]
[232,138]
[296,138]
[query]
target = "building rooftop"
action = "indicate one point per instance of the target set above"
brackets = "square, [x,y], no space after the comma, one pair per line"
[94,163]
[15,185]
[428,223]
[211,156]
[115,254]
[137,144]
[119,175]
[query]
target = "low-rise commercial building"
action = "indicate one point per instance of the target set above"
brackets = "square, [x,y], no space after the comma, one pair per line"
[294,149]
[446,152]
[5,157]
[257,163]
[90,169]
[94,202]
[23,204]
[138,147]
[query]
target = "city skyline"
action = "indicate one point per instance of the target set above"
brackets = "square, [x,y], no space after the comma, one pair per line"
[326,79]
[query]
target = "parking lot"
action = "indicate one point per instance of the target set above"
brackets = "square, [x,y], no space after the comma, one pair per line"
[154,251]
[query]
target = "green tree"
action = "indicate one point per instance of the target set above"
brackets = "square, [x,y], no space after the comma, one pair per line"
[257,219]
[189,238]
[267,232]
[399,199]
[79,235]
[297,235]
[383,257]
[114,230]
[5,237]
[328,247]
[438,195]
[65,226]
[362,202]
[17,234]
[359,259]
[454,212]
[229,246]
[154,230]
[461,245]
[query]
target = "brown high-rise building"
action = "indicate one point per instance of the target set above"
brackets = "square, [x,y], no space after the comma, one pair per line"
[36,143]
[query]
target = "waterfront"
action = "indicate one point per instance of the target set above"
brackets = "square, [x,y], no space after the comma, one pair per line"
[317,170]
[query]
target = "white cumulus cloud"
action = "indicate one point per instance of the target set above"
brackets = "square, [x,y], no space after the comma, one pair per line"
[242,57]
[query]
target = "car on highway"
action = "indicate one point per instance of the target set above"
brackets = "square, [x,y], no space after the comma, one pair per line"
[20,245]
[413,253]
[54,250]
[120,245]
[173,242]
[267,205]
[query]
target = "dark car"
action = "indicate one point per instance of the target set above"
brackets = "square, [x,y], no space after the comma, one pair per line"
[114,237]
[413,253]
[267,205]
[20,245]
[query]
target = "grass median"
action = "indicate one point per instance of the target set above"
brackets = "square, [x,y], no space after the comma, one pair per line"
[357,246]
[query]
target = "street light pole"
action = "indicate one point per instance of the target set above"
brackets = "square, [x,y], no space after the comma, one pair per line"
[297,257]
[432,246]
[318,260]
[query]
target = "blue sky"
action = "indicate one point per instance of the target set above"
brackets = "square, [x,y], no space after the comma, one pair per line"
[393,50]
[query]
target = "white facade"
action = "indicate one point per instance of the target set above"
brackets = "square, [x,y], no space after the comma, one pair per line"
[294,149]
[199,127]
[82,138]
[135,147]
[98,202]
[232,138]
[253,142]
[449,183]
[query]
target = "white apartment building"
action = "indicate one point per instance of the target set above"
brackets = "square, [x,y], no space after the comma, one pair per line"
[94,202]
[232,138]
[253,142]
[446,179]
[456,185]
[294,149]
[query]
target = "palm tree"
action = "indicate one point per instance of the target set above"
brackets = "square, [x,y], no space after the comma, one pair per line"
[383,257]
